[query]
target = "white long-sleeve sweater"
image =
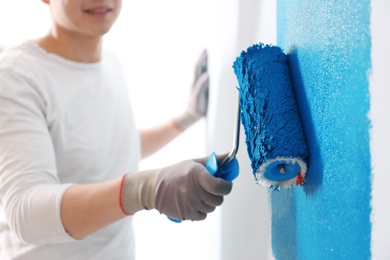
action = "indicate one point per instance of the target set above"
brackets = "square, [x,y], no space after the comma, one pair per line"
[61,122]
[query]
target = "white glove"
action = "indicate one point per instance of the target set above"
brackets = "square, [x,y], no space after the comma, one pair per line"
[185,191]
[199,95]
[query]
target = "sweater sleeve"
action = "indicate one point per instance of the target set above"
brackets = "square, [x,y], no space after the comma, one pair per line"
[30,191]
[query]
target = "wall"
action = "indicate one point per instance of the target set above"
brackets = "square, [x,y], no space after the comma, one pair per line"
[339,59]
[329,51]
[245,221]
[380,138]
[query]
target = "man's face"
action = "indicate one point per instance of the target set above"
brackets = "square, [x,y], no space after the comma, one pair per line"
[87,17]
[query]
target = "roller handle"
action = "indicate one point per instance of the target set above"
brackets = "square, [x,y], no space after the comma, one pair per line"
[228,173]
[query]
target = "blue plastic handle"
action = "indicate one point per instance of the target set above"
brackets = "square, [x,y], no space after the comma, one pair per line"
[229,173]
[212,164]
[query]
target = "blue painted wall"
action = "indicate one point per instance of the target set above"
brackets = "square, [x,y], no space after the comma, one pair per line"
[328,43]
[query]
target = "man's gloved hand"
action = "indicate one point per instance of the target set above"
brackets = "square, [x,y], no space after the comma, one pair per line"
[199,95]
[185,191]
[191,192]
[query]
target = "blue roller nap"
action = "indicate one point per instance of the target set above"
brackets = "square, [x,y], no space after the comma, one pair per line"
[274,136]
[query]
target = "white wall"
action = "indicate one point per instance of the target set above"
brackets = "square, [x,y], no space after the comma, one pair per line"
[380,138]
[22,19]
[245,214]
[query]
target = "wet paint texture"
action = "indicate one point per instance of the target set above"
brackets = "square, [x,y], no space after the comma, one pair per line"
[269,114]
[328,44]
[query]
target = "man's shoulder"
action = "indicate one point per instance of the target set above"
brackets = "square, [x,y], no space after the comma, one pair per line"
[19,55]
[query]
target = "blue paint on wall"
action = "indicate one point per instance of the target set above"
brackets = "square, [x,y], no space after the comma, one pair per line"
[328,43]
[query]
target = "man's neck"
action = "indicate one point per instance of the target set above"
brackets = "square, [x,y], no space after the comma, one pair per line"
[72,46]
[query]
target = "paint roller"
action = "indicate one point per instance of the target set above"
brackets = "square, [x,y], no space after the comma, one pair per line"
[274,135]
